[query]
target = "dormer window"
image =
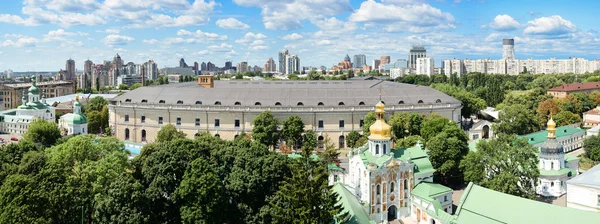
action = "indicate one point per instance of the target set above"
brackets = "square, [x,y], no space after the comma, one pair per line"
[401,102]
[179,102]
[320,104]
[257,104]
[161,101]
[277,104]
[199,102]
[236,103]
[144,101]
[361,103]
[127,100]
[300,104]
[438,101]
[420,101]
[341,104]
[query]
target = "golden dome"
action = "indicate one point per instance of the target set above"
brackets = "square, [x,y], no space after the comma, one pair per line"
[380,130]
[551,128]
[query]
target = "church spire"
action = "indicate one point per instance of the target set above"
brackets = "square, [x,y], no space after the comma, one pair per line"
[551,128]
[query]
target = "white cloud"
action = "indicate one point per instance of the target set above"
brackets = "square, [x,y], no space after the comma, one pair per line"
[232,24]
[504,23]
[220,48]
[250,37]
[324,42]
[21,42]
[289,14]
[202,52]
[552,25]
[202,36]
[394,18]
[151,41]
[112,31]
[116,40]
[293,36]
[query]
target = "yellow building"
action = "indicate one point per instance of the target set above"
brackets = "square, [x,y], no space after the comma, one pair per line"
[227,108]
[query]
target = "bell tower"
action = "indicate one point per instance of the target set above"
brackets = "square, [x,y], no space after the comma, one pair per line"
[380,137]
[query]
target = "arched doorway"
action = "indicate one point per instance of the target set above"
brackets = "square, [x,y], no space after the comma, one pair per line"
[143,135]
[486,132]
[392,213]
[126,133]
[342,141]
[320,142]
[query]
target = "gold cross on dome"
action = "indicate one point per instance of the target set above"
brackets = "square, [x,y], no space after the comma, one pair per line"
[380,89]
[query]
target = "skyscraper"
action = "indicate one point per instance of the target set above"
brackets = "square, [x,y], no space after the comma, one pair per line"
[360,60]
[282,61]
[242,67]
[376,63]
[270,66]
[508,49]
[292,64]
[228,65]
[415,53]
[203,66]
[182,64]
[384,60]
[195,68]
[70,68]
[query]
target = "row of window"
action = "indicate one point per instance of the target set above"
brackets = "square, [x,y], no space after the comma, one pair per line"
[236,122]
[277,103]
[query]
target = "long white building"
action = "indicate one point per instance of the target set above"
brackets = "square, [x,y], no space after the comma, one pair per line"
[515,67]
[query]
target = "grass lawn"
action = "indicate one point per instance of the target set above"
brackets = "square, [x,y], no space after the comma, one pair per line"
[585,163]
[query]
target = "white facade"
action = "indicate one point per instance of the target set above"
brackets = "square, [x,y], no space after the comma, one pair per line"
[425,66]
[515,67]
[17,121]
[74,123]
[583,191]
[398,72]
[292,64]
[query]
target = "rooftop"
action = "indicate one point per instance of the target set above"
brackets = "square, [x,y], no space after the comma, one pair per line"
[590,178]
[289,93]
[21,85]
[541,136]
[593,111]
[351,205]
[482,205]
[431,190]
[576,87]
[415,154]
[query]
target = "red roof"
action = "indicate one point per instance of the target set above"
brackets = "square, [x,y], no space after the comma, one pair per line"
[576,87]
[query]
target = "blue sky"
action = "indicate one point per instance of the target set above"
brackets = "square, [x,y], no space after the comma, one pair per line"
[39,35]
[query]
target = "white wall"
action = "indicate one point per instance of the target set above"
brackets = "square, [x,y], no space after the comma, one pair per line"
[584,198]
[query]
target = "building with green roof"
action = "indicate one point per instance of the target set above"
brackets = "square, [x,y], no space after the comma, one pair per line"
[74,123]
[16,121]
[482,205]
[570,137]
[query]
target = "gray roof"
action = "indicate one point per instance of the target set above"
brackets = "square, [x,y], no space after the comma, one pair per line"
[590,178]
[289,93]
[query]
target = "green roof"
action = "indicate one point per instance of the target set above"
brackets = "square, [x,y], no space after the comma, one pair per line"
[75,118]
[332,166]
[431,190]
[295,156]
[563,171]
[351,205]
[482,205]
[417,155]
[540,136]
[570,158]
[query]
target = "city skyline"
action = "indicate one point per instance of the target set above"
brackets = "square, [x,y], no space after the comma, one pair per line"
[40,35]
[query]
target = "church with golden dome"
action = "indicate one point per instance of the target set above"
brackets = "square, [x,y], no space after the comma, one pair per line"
[390,184]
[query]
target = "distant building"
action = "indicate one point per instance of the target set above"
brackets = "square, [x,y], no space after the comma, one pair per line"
[211,67]
[376,63]
[228,65]
[182,64]
[13,92]
[360,60]
[242,67]
[384,60]
[195,68]
[415,53]
[16,121]
[565,89]
[282,56]
[508,49]
[203,67]
[74,123]
[424,66]
[569,137]
[583,191]
[270,66]
[591,118]
[178,71]
[70,68]
[150,70]
[292,64]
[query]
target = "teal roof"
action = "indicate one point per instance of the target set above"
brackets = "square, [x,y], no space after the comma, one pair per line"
[561,172]
[74,118]
[416,155]
[295,156]
[351,205]
[541,136]
[569,158]
[482,205]
[332,166]
[34,90]
[431,190]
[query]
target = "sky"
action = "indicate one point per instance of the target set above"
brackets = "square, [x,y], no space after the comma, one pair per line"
[40,35]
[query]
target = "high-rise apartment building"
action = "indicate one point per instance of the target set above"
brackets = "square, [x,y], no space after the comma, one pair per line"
[508,49]
[211,67]
[415,53]
[424,66]
[292,64]
[384,60]
[270,66]
[150,70]
[182,64]
[376,63]
[70,68]
[203,66]
[242,67]
[282,60]
[360,60]
[228,65]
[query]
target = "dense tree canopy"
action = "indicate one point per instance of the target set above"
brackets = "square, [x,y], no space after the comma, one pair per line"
[592,147]
[406,124]
[43,132]
[168,133]
[516,119]
[292,130]
[265,128]
[446,150]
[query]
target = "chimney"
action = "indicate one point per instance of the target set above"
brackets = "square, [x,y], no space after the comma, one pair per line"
[206,81]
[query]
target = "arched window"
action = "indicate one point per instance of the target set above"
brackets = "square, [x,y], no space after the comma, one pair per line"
[392,187]
[180,102]
[341,142]
[234,137]
[143,135]
[361,103]
[161,101]
[383,102]
[199,102]
[127,100]
[277,104]
[551,184]
[144,101]
[401,102]
[384,149]
[551,165]
[320,104]
[378,189]
[236,103]
[341,104]
[300,104]
[218,136]
[377,149]
[438,101]
[420,101]
[320,142]
[218,103]
[126,133]
[405,184]
[257,104]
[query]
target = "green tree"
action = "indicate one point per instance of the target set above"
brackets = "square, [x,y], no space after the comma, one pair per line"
[309,139]
[506,164]
[592,147]
[350,74]
[169,133]
[352,138]
[43,132]
[123,201]
[565,118]
[516,119]
[292,130]
[123,87]
[135,86]
[313,75]
[369,119]
[331,153]
[97,103]
[406,124]
[408,141]
[201,194]
[305,197]
[94,122]
[433,125]
[545,82]
[293,77]
[265,129]
[446,150]
[104,114]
